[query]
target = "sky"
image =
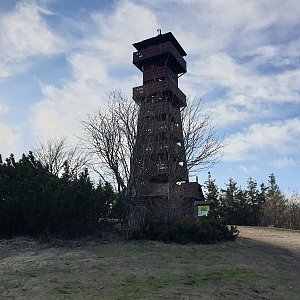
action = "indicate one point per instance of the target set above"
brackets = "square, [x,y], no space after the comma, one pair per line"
[59,60]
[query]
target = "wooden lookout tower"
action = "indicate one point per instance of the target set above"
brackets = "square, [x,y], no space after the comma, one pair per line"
[159,160]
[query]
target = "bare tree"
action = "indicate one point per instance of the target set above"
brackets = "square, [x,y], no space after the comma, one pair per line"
[202,145]
[292,217]
[111,135]
[56,153]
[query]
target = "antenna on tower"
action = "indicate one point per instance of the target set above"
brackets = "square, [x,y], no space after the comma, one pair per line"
[158,31]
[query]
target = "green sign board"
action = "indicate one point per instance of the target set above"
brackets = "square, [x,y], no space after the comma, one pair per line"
[203,210]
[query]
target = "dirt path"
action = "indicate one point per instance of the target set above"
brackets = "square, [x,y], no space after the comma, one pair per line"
[285,239]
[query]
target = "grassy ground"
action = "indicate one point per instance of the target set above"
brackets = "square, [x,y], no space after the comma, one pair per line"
[245,269]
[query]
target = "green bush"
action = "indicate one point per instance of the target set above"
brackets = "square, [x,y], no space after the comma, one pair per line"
[206,231]
[35,202]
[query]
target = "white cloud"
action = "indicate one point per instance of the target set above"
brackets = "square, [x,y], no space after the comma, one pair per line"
[23,33]
[249,169]
[283,163]
[3,109]
[127,24]
[61,110]
[87,66]
[95,67]
[275,138]
[247,90]
[9,139]
[9,142]
[251,49]
[226,114]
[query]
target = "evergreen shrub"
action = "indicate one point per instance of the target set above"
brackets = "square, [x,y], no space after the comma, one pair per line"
[204,231]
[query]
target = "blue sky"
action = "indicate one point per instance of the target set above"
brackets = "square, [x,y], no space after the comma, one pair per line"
[60,59]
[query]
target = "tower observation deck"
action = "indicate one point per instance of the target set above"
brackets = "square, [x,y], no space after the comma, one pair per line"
[159,160]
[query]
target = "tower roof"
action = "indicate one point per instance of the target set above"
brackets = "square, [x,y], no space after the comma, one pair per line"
[161,38]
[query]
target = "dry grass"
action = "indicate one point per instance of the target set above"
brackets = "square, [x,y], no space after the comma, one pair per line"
[245,269]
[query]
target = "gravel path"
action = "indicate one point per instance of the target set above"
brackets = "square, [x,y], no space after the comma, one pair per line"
[286,239]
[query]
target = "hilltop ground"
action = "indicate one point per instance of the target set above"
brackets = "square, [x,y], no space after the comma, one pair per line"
[263,263]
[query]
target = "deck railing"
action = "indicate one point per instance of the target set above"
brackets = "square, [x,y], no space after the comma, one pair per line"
[143,91]
[159,49]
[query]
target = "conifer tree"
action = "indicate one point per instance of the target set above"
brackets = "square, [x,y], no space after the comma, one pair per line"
[274,208]
[228,205]
[212,195]
[35,201]
[252,196]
